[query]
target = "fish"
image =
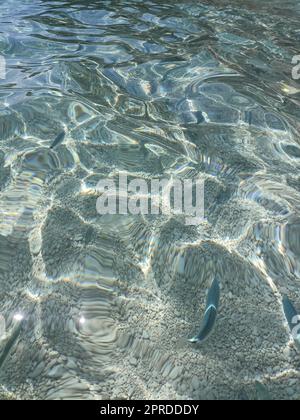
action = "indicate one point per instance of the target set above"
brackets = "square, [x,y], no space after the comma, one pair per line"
[9,343]
[59,139]
[211,313]
[293,319]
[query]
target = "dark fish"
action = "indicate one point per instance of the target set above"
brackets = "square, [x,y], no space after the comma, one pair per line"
[211,313]
[290,311]
[10,342]
[293,318]
[59,139]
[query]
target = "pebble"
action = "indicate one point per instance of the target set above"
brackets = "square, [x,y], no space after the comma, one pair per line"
[175,372]
[38,370]
[131,391]
[56,372]
[259,342]
[183,388]
[167,369]
[145,335]
[195,383]
[293,382]
[133,361]
[269,299]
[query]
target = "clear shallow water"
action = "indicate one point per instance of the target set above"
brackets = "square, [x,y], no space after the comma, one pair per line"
[153,90]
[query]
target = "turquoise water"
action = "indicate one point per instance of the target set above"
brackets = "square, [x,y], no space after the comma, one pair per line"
[102,306]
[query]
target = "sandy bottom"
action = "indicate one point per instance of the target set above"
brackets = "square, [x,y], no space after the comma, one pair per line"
[108,303]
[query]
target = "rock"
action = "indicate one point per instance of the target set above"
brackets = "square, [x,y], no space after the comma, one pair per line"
[38,370]
[56,372]
[167,369]
[133,361]
[195,383]
[175,372]
[145,335]
[183,388]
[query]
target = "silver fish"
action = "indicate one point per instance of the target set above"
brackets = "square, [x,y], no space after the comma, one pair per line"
[211,313]
[59,139]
